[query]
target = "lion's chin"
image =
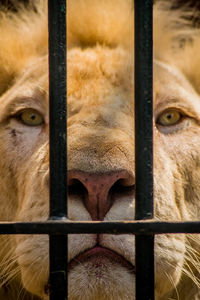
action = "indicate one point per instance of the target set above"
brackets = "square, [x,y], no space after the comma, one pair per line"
[101,274]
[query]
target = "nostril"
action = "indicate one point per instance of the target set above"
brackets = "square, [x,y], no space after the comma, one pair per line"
[126,181]
[122,187]
[75,187]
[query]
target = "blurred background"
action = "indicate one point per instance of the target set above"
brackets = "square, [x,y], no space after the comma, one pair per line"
[175,3]
[194,4]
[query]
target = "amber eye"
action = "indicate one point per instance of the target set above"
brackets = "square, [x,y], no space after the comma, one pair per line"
[169,117]
[31,117]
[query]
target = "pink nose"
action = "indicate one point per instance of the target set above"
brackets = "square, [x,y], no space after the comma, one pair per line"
[97,190]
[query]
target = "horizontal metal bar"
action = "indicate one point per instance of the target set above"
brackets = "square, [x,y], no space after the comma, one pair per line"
[119,227]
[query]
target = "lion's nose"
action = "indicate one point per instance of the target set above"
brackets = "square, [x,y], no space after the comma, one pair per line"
[98,190]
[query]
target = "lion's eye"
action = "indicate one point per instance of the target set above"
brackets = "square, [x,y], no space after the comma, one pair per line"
[169,117]
[31,117]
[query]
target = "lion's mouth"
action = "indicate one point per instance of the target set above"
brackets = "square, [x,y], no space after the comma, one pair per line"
[98,255]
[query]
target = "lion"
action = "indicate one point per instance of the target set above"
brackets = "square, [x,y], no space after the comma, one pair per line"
[100,118]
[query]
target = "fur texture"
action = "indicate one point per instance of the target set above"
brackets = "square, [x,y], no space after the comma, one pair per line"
[100,141]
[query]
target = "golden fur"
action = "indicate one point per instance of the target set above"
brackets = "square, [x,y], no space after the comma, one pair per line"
[100,140]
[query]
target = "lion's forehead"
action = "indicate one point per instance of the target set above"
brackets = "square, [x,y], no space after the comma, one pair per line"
[100,83]
[99,77]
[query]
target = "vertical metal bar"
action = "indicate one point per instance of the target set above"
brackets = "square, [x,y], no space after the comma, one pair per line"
[144,267]
[143,109]
[57,100]
[144,145]
[58,168]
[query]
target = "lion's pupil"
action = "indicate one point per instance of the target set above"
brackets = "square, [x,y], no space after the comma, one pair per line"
[169,116]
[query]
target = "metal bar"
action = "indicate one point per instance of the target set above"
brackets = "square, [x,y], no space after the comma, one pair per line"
[144,267]
[58,167]
[143,109]
[57,102]
[131,227]
[58,267]
[144,146]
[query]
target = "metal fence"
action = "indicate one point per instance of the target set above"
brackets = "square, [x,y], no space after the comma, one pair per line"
[58,226]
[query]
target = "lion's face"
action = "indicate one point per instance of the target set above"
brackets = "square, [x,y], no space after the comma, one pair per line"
[100,170]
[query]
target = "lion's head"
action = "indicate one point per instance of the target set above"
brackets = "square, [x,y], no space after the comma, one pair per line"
[100,147]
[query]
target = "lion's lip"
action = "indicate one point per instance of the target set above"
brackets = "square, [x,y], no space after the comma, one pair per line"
[96,254]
